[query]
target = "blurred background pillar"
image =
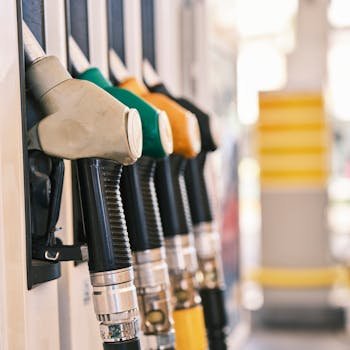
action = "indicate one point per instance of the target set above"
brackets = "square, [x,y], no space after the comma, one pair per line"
[293,140]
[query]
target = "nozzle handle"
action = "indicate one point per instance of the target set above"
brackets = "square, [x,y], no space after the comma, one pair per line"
[141,207]
[134,209]
[166,198]
[177,165]
[146,169]
[197,190]
[103,214]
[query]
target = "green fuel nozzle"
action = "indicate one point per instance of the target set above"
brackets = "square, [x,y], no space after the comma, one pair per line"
[142,212]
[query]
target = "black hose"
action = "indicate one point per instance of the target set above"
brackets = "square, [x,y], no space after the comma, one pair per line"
[126,345]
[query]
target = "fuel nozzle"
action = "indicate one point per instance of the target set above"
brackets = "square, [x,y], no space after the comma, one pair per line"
[142,212]
[81,121]
[180,250]
[207,238]
[110,261]
[183,123]
[86,124]
[151,269]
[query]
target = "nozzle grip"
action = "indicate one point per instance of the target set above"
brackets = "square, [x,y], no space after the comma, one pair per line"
[177,165]
[141,206]
[127,345]
[146,168]
[166,198]
[104,221]
[197,190]
[134,208]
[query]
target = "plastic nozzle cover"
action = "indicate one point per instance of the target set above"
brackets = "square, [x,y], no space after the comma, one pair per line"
[184,125]
[207,126]
[82,120]
[157,136]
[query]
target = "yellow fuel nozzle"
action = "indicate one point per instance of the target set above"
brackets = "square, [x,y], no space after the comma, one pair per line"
[184,124]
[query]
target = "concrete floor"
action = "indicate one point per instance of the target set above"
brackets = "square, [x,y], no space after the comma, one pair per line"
[296,340]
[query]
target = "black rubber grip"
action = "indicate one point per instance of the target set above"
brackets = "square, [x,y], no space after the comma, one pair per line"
[166,198]
[197,190]
[134,209]
[213,301]
[177,165]
[104,220]
[141,206]
[125,345]
[146,168]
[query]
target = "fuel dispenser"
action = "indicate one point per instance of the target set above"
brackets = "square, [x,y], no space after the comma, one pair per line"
[86,124]
[141,210]
[207,238]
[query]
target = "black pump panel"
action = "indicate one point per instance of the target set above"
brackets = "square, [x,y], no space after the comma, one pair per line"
[43,174]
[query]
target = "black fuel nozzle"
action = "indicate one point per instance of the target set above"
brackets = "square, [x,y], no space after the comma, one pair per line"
[110,263]
[207,238]
[149,261]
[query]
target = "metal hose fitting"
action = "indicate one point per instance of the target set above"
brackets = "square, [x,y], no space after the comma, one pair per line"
[208,246]
[153,287]
[115,303]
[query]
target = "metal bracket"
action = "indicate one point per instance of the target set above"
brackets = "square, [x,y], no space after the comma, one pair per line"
[60,252]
